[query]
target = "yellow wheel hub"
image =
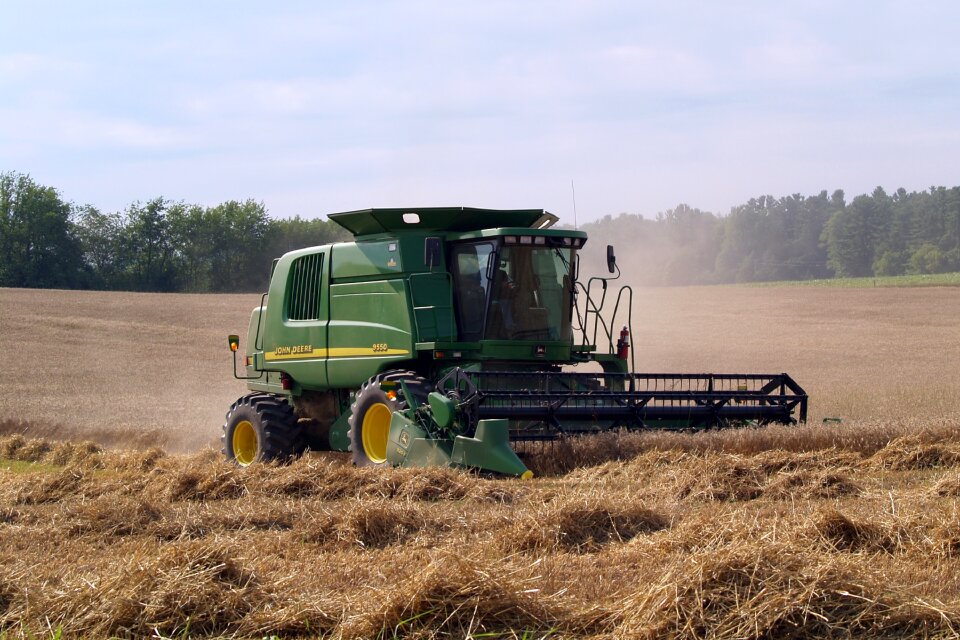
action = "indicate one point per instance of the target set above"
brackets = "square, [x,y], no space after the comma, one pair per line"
[245,443]
[375,432]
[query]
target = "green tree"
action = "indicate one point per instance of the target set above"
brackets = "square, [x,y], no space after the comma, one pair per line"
[148,249]
[890,263]
[750,237]
[100,236]
[692,241]
[38,246]
[238,258]
[807,255]
[287,234]
[926,259]
[852,235]
[195,237]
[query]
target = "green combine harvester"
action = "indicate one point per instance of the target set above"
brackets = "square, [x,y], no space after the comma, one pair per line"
[439,336]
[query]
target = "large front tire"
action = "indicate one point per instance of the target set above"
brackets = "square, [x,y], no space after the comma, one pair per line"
[261,427]
[372,411]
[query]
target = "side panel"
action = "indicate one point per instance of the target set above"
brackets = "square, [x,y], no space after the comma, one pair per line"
[366,259]
[294,339]
[370,330]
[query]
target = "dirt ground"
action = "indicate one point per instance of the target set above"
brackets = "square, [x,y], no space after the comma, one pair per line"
[154,369]
[118,520]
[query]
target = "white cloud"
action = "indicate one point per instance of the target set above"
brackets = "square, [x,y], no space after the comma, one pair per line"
[320,107]
[43,128]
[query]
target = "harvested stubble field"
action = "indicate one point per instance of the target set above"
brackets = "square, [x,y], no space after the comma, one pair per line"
[116,519]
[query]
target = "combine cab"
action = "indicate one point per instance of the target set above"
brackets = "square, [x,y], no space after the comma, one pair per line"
[441,335]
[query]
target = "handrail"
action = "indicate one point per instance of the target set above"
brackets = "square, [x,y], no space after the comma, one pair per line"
[595,308]
[257,343]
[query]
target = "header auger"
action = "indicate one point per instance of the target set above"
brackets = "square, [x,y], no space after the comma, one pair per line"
[441,335]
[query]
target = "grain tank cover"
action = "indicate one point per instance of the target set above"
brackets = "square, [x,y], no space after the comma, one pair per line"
[433,219]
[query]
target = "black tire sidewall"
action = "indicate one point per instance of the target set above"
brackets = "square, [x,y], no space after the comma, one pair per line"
[243,413]
[369,395]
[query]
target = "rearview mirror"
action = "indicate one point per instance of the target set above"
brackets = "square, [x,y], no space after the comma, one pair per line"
[611,259]
[431,252]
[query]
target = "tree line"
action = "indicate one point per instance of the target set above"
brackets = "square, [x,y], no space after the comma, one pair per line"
[157,245]
[164,245]
[794,237]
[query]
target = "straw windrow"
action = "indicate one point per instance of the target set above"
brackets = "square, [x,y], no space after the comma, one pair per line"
[730,536]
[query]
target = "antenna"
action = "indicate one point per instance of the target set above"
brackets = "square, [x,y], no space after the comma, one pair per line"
[573,193]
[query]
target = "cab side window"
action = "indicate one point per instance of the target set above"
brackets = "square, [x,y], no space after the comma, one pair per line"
[471,276]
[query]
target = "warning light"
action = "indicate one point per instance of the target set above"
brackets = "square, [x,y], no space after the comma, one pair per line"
[234,342]
[391,395]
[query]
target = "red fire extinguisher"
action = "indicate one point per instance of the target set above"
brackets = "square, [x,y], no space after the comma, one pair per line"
[623,344]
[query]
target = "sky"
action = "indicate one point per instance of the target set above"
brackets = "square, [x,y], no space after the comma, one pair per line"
[316,107]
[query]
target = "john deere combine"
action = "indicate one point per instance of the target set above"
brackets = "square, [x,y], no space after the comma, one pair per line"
[441,335]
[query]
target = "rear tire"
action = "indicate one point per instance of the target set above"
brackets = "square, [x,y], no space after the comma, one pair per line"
[261,427]
[372,411]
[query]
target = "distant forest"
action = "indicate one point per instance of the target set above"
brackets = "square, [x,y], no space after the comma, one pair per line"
[157,245]
[164,245]
[790,238]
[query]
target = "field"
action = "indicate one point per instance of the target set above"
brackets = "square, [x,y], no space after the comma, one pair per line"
[917,280]
[118,517]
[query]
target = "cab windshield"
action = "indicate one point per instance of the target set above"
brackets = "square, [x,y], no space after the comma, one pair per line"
[513,292]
